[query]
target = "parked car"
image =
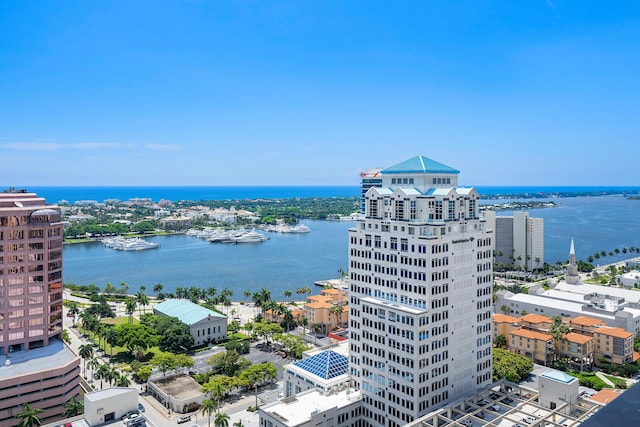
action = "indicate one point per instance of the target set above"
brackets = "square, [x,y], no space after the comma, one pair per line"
[140,407]
[128,415]
[184,419]
[495,407]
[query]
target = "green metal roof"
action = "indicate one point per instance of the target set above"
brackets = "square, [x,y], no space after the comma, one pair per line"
[419,164]
[186,311]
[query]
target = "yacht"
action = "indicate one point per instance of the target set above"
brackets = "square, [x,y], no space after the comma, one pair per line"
[250,237]
[119,243]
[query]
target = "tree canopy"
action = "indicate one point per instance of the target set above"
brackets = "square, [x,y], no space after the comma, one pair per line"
[510,366]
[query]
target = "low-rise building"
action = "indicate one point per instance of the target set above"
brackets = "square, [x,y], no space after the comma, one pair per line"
[630,279]
[614,344]
[206,326]
[314,409]
[109,404]
[329,309]
[533,345]
[326,371]
[579,349]
[504,324]
[558,390]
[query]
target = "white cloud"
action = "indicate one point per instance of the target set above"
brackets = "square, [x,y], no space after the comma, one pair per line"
[54,146]
[163,147]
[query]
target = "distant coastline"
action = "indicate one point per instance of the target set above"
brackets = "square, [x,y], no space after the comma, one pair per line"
[55,194]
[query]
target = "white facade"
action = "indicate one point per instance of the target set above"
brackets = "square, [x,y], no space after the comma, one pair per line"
[630,279]
[314,409]
[558,390]
[420,271]
[519,239]
[108,405]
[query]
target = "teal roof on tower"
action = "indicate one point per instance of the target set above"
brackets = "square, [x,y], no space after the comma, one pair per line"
[419,164]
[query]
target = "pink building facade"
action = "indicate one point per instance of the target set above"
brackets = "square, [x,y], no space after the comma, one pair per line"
[36,367]
[30,272]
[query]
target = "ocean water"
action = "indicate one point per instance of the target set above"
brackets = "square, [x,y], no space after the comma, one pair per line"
[73,194]
[287,262]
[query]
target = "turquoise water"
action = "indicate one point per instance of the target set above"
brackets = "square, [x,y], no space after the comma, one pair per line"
[284,262]
[287,262]
[72,194]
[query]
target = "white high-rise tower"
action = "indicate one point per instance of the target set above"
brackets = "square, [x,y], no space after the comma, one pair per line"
[420,271]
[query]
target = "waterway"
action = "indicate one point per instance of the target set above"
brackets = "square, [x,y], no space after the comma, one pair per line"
[290,261]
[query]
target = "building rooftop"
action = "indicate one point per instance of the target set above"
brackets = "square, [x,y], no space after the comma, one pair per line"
[559,376]
[298,410]
[325,365]
[323,298]
[27,362]
[106,393]
[628,294]
[186,311]
[318,304]
[419,164]
[504,318]
[577,338]
[526,333]
[587,321]
[614,332]
[535,318]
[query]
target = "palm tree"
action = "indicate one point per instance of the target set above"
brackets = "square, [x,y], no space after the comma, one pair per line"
[112,375]
[316,328]
[142,299]
[29,416]
[86,352]
[102,372]
[247,294]
[221,420]
[157,288]
[109,289]
[558,331]
[74,310]
[130,305]
[336,310]
[287,293]
[73,408]
[505,309]
[238,424]
[122,381]
[207,407]
[217,391]
[123,288]
[304,322]
[93,363]
[111,338]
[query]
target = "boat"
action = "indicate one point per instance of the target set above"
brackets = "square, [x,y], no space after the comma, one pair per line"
[250,237]
[134,244]
[300,228]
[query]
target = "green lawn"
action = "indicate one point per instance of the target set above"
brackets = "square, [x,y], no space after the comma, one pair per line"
[115,321]
[595,382]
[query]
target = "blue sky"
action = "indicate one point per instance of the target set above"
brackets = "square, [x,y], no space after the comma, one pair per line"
[527,92]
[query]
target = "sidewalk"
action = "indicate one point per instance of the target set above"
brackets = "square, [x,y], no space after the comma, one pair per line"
[605,379]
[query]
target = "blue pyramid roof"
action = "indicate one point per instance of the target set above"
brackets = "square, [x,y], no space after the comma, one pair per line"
[419,164]
[327,364]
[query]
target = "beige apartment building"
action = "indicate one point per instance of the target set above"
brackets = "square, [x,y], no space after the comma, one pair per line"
[588,340]
[321,309]
[37,367]
[614,344]
[533,345]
